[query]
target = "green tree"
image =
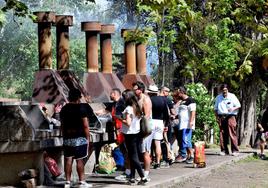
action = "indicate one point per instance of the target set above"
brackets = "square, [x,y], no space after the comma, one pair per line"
[214,42]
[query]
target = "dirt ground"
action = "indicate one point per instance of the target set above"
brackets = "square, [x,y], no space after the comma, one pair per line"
[248,173]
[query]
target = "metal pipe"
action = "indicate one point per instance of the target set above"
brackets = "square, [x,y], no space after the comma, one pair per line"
[92,29]
[141,58]
[106,47]
[130,54]
[62,30]
[44,20]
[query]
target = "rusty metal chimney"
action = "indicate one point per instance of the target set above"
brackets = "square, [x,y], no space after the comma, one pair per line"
[141,64]
[48,86]
[106,57]
[44,20]
[63,55]
[141,58]
[130,62]
[94,82]
[92,29]
[106,47]
[62,30]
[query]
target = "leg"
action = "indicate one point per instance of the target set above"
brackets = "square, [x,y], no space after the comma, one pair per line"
[157,150]
[146,147]
[182,143]
[147,161]
[225,135]
[132,143]
[68,163]
[232,133]
[124,151]
[80,169]
[188,143]
[262,145]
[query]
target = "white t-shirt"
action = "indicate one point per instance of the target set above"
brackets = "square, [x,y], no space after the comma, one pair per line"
[134,127]
[184,111]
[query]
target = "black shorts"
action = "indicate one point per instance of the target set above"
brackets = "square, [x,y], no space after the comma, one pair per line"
[76,152]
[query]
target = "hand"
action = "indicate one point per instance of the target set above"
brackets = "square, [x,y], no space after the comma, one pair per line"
[165,129]
[191,124]
[58,108]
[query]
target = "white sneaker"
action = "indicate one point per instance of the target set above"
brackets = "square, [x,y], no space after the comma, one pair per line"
[67,184]
[235,154]
[83,184]
[122,177]
[147,177]
[222,153]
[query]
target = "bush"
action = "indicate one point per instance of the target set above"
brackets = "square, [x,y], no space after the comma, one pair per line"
[205,117]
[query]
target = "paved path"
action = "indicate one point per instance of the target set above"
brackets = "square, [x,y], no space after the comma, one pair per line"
[177,173]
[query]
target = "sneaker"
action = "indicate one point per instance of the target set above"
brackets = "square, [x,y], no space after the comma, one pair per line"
[222,153]
[122,177]
[139,178]
[83,184]
[235,154]
[164,164]
[262,156]
[190,160]
[180,159]
[170,162]
[157,166]
[144,181]
[131,181]
[67,184]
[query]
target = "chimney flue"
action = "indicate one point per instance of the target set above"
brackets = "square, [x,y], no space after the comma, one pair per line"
[130,54]
[141,58]
[44,20]
[106,47]
[62,29]
[92,29]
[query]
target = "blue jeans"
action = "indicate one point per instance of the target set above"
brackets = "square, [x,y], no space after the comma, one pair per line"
[184,138]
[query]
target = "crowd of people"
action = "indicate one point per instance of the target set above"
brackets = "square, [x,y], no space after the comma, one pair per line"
[170,115]
[154,150]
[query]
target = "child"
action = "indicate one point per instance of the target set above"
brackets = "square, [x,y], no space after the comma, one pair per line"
[261,136]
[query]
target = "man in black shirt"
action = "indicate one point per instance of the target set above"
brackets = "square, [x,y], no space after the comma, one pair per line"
[159,117]
[75,130]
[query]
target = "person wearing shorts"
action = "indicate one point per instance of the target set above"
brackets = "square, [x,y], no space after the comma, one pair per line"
[159,116]
[75,131]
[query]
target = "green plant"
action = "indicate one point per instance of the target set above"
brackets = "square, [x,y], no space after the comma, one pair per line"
[205,118]
[138,35]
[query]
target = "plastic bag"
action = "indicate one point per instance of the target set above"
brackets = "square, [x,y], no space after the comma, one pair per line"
[106,164]
[52,166]
[199,154]
[119,158]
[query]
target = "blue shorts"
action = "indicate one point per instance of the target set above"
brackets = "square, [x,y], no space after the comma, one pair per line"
[76,152]
[186,138]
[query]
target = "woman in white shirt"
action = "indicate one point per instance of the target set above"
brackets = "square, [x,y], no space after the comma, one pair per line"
[131,129]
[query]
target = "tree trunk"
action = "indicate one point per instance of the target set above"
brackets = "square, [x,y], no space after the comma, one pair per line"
[247,119]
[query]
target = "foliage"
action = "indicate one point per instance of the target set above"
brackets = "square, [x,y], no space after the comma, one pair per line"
[138,35]
[78,57]
[205,117]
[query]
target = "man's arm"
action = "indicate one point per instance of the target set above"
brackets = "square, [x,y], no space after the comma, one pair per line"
[192,118]
[236,103]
